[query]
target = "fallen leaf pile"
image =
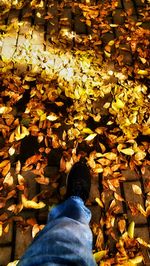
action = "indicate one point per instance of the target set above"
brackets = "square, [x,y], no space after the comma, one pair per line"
[85,103]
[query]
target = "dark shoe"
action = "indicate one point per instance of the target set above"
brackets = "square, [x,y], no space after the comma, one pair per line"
[79,181]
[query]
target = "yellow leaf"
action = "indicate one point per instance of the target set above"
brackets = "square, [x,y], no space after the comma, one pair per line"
[27,78]
[110,155]
[1,229]
[32,204]
[111,43]
[99,255]
[131,229]
[141,210]
[98,170]
[142,242]
[13,263]
[106,105]
[117,105]
[143,60]
[87,131]
[91,136]
[113,25]
[140,155]
[136,189]
[4,163]
[136,260]
[40,112]
[59,103]
[88,22]
[146,131]
[107,54]
[128,151]
[21,132]
[43,117]
[52,117]
[142,72]
[5,109]
[100,203]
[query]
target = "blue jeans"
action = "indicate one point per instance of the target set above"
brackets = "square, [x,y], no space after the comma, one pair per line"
[65,240]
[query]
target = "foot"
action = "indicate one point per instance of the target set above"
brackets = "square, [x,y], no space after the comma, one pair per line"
[79,181]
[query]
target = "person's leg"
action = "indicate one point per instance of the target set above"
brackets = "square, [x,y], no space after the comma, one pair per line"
[65,240]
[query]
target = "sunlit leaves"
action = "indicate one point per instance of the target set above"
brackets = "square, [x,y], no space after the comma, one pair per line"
[63,85]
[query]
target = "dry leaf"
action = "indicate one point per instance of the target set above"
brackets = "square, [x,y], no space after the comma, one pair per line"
[42,180]
[118,197]
[131,229]
[128,151]
[136,189]
[14,263]
[32,204]
[90,137]
[8,180]
[35,230]
[142,242]
[110,155]
[21,132]
[100,203]
[6,169]
[141,210]
[99,255]
[142,72]
[1,229]
[18,167]
[21,180]
[136,260]
[122,225]
[33,159]
[4,163]
[87,130]
[52,117]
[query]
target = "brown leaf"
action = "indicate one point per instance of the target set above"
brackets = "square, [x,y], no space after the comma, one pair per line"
[18,167]
[122,225]
[118,197]
[133,208]
[6,169]
[33,159]
[42,180]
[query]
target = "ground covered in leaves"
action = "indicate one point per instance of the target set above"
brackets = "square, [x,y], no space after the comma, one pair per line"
[81,98]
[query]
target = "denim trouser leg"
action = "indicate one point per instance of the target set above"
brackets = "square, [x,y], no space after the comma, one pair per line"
[65,240]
